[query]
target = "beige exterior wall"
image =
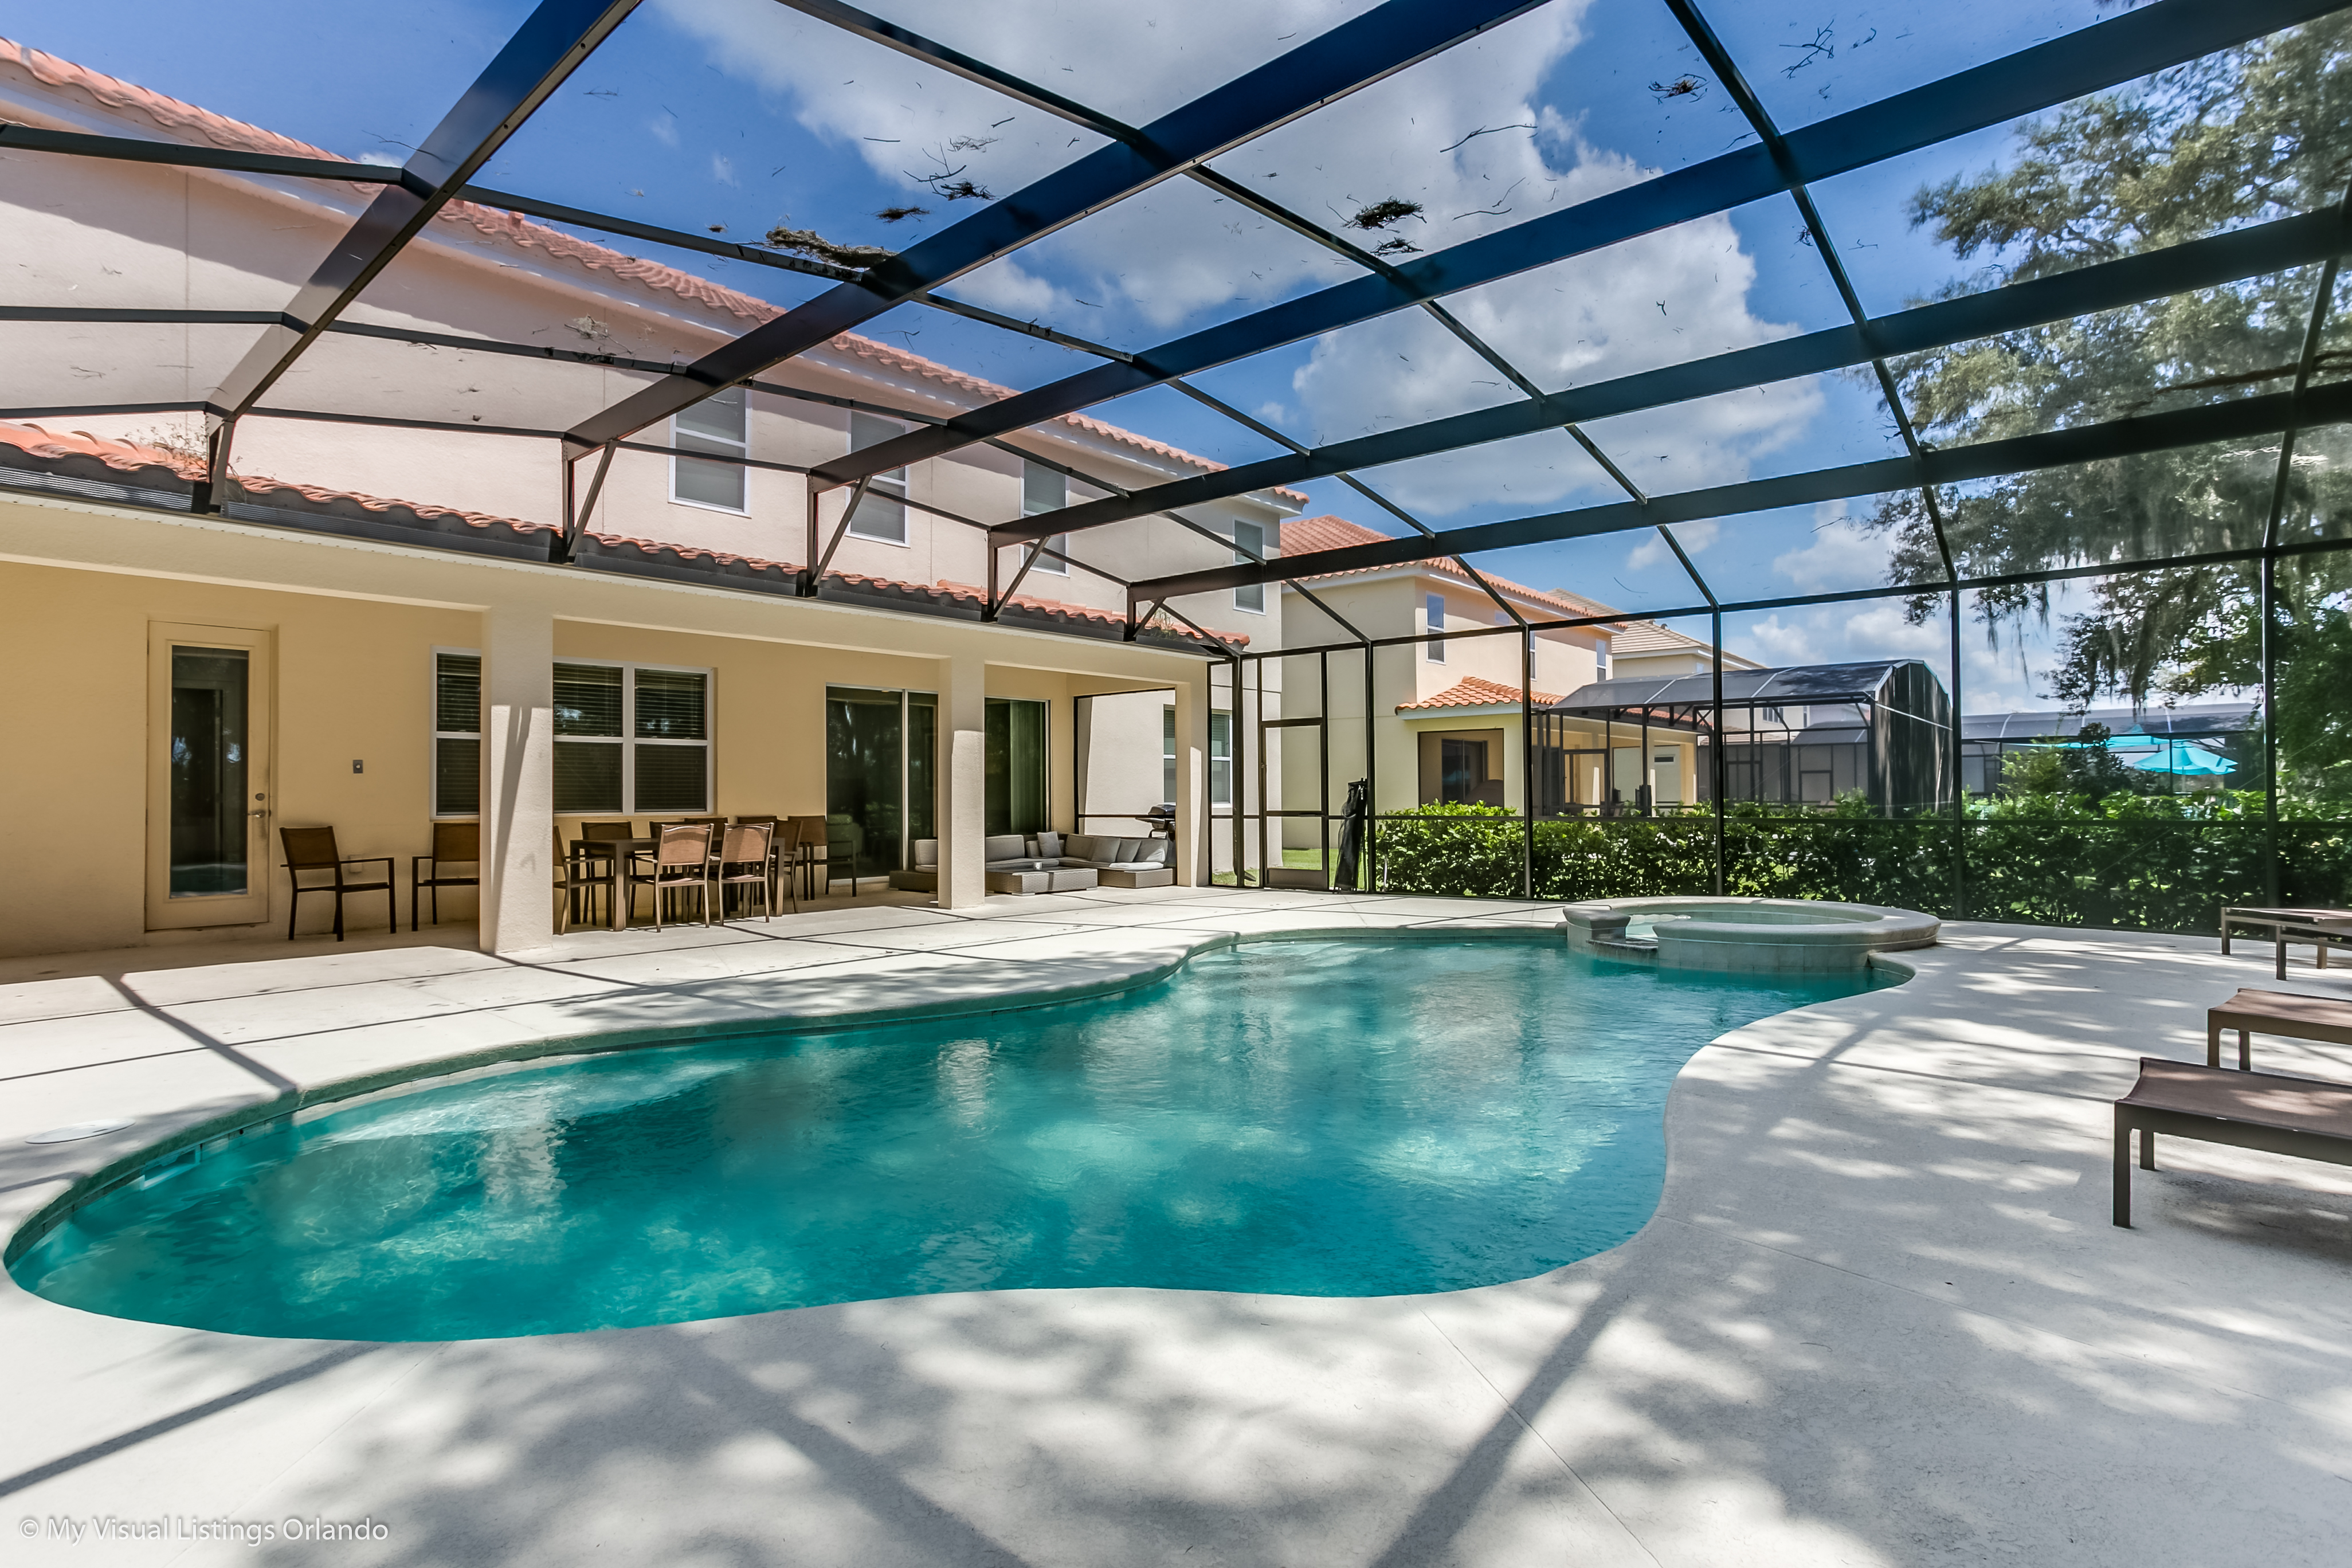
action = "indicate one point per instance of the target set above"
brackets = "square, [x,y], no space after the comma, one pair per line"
[1386,605]
[354,626]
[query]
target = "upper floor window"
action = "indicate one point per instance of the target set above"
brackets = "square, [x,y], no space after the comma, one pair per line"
[1043,491]
[1435,609]
[715,425]
[1249,544]
[1600,662]
[882,512]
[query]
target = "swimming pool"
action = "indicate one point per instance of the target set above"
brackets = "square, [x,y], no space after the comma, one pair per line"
[1339,1118]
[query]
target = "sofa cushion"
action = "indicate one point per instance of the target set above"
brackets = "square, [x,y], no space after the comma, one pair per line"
[1155,852]
[1005,846]
[927,852]
[1079,847]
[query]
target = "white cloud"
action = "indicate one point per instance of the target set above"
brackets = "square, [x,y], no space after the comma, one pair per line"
[1653,551]
[722,168]
[1842,554]
[665,129]
[1010,290]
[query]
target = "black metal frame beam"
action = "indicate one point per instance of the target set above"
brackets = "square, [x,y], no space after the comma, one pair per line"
[914,45]
[2202,263]
[2090,59]
[1352,56]
[187,155]
[1843,596]
[548,46]
[2233,420]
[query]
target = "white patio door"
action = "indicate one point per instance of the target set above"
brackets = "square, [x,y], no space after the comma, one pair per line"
[210,800]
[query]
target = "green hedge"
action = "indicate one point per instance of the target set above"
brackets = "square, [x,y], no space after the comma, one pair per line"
[2138,866]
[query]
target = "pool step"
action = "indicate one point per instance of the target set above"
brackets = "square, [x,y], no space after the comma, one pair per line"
[1626,946]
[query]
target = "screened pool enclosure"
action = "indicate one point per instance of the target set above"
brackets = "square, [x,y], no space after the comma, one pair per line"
[1924,354]
[1879,734]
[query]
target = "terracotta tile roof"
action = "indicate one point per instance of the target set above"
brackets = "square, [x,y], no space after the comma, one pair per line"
[1636,639]
[1472,691]
[1306,535]
[154,468]
[186,122]
[167,469]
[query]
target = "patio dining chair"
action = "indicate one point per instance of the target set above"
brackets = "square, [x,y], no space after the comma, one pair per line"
[743,861]
[681,861]
[454,844]
[783,853]
[809,841]
[313,849]
[575,875]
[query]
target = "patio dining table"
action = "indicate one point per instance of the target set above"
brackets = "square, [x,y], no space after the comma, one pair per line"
[614,853]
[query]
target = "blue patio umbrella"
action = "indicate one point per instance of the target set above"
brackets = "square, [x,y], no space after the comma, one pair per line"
[2181,757]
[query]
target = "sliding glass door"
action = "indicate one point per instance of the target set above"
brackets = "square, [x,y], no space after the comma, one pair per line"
[881,750]
[879,773]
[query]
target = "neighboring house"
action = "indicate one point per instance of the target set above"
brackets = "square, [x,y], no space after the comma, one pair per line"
[1446,715]
[1642,649]
[376,654]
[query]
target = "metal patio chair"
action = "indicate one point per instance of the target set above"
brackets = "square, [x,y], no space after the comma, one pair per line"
[681,861]
[454,844]
[313,849]
[744,861]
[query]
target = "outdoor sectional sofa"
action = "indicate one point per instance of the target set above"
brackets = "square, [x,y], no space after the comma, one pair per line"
[1052,863]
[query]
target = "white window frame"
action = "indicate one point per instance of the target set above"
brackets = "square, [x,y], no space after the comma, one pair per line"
[1241,602]
[742,449]
[891,483]
[1433,612]
[437,734]
[629,741]
[1168,754]
[1061,541]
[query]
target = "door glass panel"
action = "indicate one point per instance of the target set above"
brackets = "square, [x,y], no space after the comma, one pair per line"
[209,840]
[1016,766]
[922,763]
[865,763]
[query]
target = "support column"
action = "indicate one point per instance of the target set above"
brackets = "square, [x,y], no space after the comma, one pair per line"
[1193,778]
[518,867]
[963,781]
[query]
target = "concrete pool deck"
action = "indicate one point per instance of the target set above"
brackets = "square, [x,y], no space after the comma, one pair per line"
[1880,1316]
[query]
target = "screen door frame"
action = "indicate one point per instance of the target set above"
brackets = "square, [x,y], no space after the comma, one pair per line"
[250,907]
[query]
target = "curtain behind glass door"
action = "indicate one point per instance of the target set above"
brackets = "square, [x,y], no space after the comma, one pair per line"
[210,839]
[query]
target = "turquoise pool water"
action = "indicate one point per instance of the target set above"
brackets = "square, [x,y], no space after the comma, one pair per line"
[1318,1118]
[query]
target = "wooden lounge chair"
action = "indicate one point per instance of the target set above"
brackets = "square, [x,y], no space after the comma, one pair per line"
[2321,928]
[2305,1116]
[2324,1018]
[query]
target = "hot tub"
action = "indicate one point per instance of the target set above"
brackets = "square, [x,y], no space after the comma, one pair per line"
[1745,935]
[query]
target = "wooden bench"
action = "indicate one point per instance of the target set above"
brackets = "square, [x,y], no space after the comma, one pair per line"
[2323,1018]
[2321,928]
[2269,1112]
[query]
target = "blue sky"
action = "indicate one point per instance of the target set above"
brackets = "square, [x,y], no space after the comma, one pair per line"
[740,115]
